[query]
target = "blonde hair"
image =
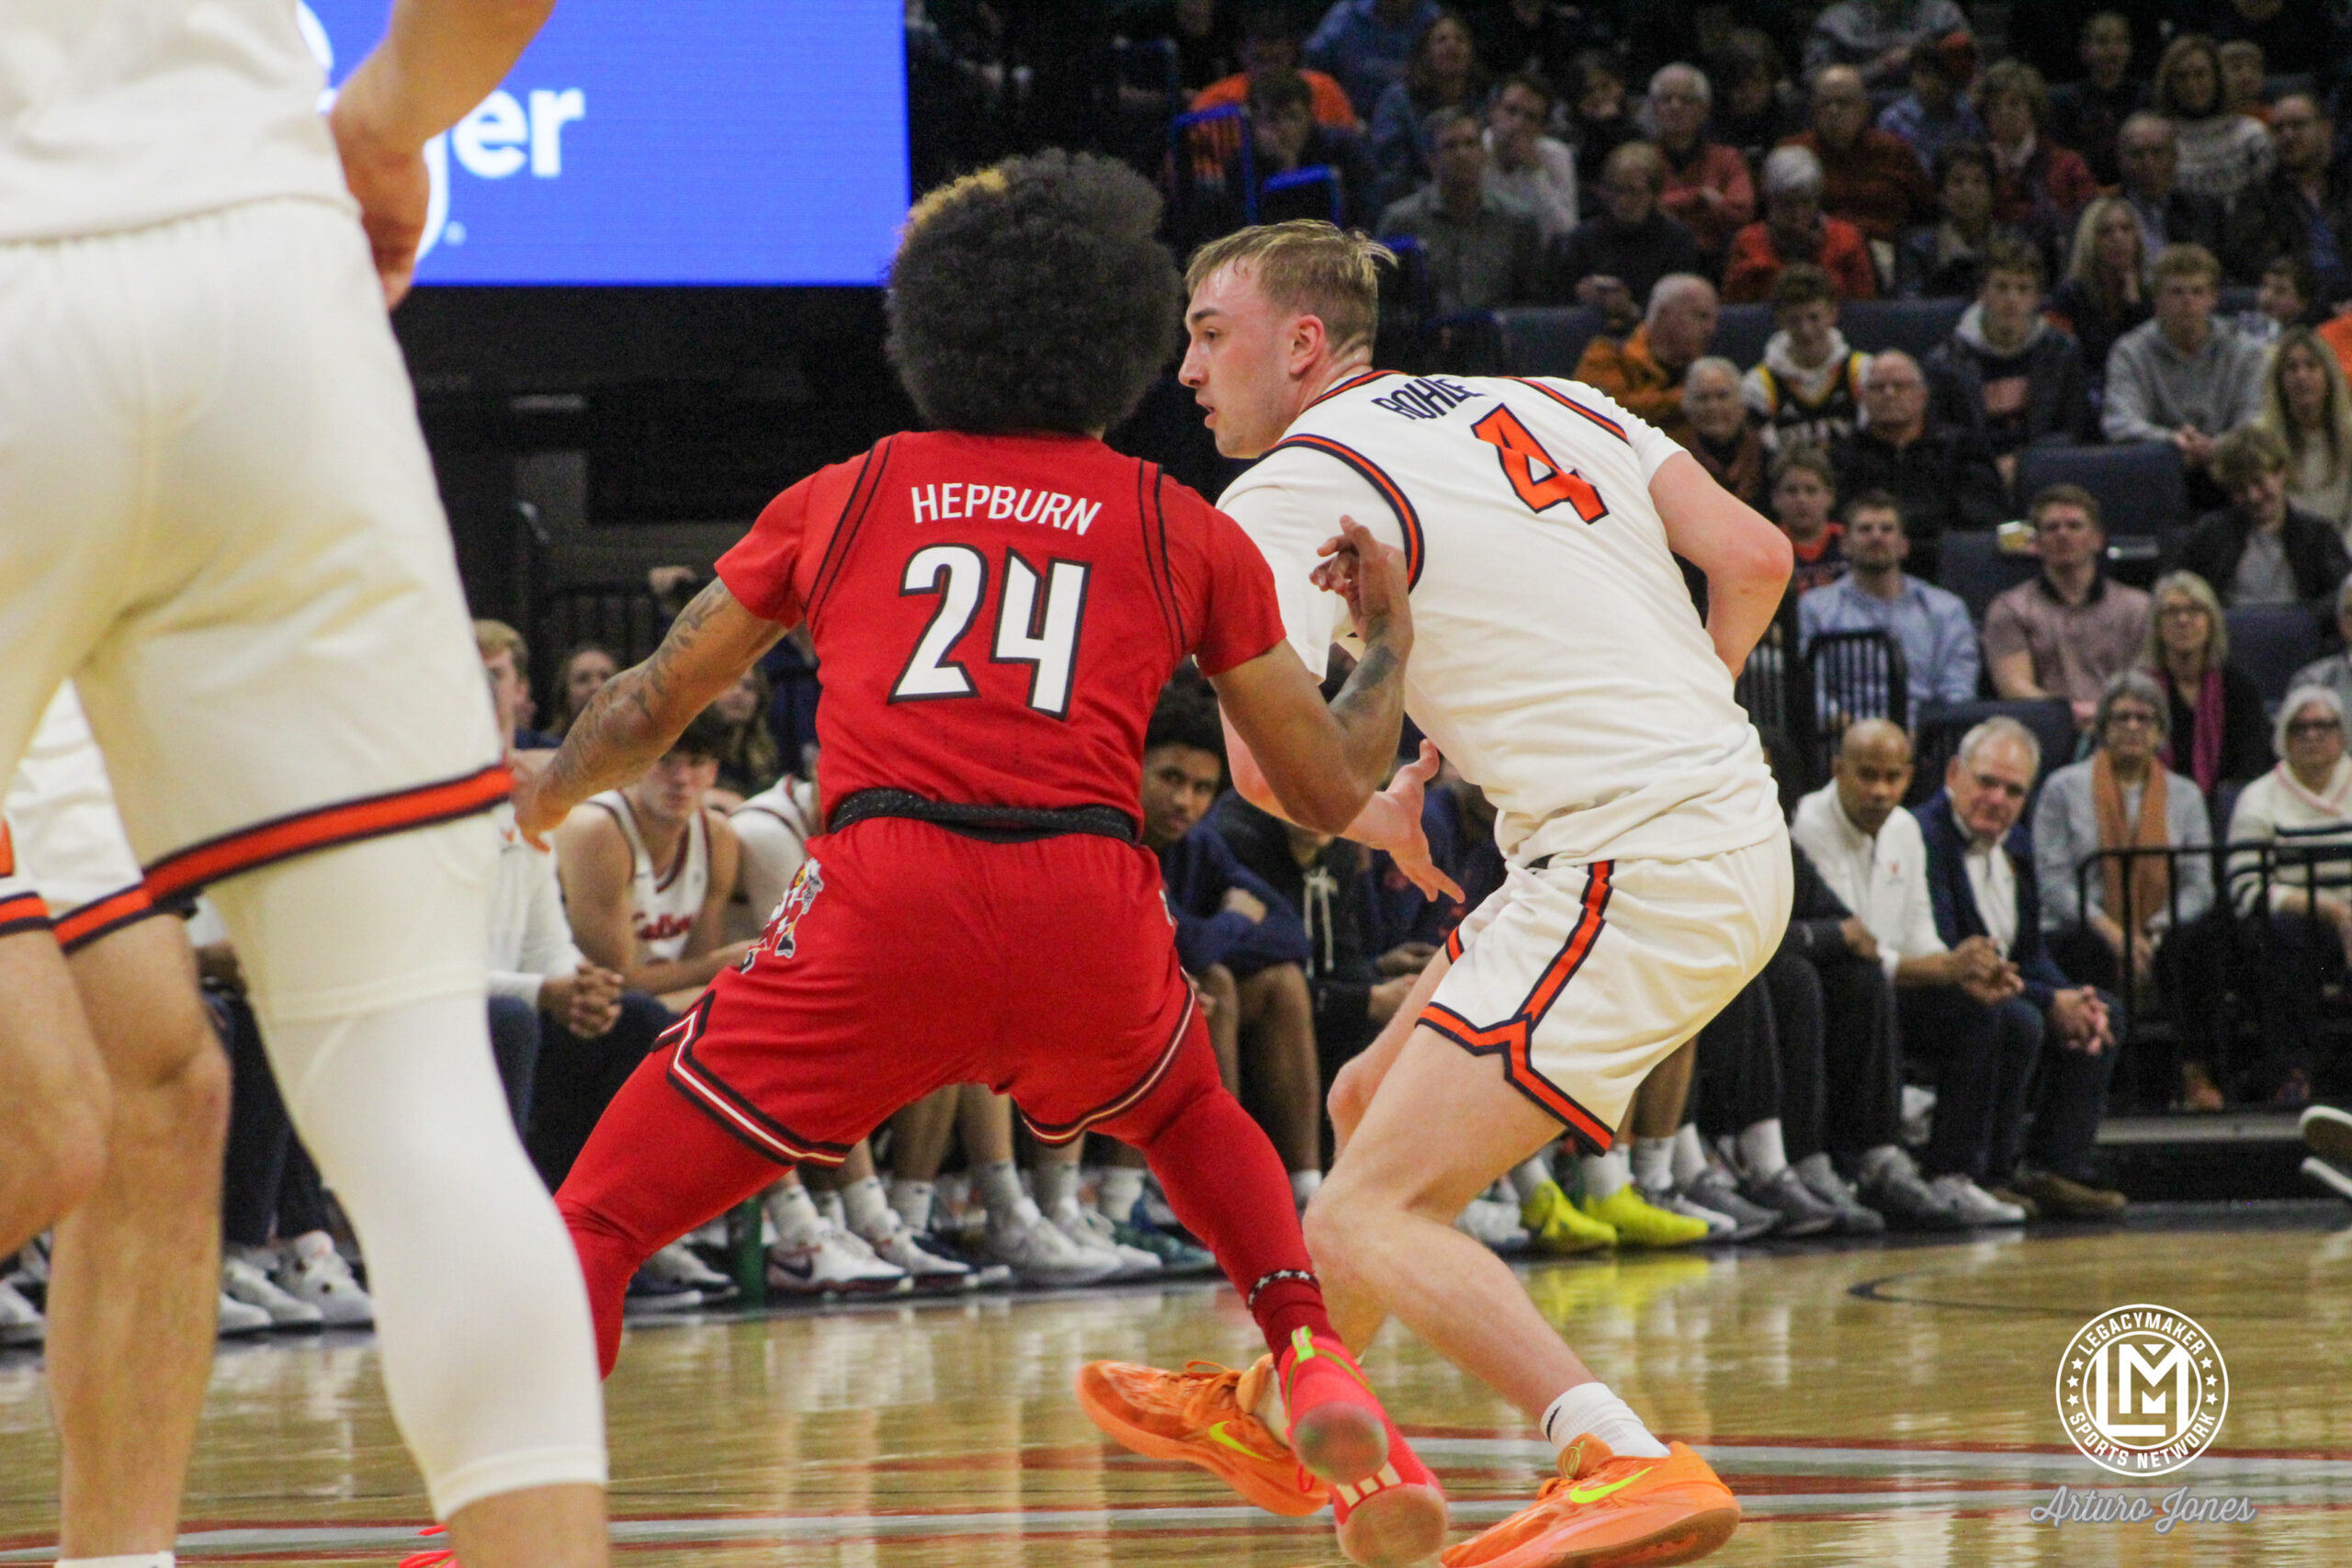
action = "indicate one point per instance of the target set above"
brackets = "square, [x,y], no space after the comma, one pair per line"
[494,637]
[1309,266]
[2335,416]
[2217,634]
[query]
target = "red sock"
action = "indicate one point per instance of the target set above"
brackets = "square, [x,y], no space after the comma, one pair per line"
[654,1168]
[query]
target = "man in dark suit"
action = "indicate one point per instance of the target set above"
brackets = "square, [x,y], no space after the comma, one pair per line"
[2148,151]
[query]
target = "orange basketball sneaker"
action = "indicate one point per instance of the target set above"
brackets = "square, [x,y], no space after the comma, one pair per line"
[1606,1512]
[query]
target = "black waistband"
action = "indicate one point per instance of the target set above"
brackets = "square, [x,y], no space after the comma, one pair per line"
[990,824]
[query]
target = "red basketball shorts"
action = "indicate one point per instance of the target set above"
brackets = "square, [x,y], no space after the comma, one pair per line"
[906,957]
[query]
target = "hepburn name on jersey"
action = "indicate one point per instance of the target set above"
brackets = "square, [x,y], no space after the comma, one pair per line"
[947,502]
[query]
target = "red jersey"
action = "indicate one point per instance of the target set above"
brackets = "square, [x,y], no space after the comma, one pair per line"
[996,615]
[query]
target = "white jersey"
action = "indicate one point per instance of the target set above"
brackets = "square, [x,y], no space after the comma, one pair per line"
[664,901]
[774,828]
[1556,661]
[117,114]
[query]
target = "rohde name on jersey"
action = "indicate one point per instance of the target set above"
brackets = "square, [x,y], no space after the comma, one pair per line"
[1427,396]
[1052,509]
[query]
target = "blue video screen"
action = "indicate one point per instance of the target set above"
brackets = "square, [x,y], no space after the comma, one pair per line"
[697,141]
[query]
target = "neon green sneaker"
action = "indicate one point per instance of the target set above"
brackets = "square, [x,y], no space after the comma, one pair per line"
[1640,1223]
[1559,1226]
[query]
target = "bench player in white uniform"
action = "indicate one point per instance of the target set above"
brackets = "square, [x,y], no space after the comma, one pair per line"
[218,517]
[1560,667]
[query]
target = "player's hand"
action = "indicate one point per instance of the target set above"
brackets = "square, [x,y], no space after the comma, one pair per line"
[1858,941]
[1386,997]
[537,813]
[1411,850]
[1407,958]
[1241,901]
[393,190]
[596,1002]
[1371,577]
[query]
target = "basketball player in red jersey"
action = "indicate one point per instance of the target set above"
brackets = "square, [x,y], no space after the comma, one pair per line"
[996,604]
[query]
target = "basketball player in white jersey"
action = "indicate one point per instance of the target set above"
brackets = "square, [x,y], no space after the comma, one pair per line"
[1560,667]
[773,829]
[218,516]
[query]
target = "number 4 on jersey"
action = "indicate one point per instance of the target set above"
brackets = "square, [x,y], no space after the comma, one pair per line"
[1541,480]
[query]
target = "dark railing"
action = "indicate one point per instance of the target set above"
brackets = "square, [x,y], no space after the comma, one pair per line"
[1849,676]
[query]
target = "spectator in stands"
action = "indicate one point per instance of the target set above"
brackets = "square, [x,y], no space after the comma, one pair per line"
[2333,671]
[1287,136]
[1645,372]
[1441,73]
[2180,378]
[1269,42]
[2262,549]
[2282,301]
[1943,474]
[508,660]
[1870,178]
[1982,879]
[1481,251]
[1534,36]
[2302,208]
[1598,120]
[1794,229]
[751,760]
[2222,153]
[2087,114]
[1206,35]
[1804,495]
[1876,37]
[1958,1004]
[1946,259]
[1722,436]
[2105,293]
[2148,147]
[2306,403]
[1363,44]
[1757,106]
[1708,189]
[2133,922]
[2007,375]
[2302,913]
[2214,729]
[1614,259]
[1935,113]
[580,676]
[2242,75]
[1524,165]
[2072,630]
[1927,624]
[1808,389]
[2036,182]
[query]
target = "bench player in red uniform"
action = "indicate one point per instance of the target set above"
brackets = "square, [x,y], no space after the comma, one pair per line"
[996,604]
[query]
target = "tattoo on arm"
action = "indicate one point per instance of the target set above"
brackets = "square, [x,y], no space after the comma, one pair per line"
[1371,704]
[621,732]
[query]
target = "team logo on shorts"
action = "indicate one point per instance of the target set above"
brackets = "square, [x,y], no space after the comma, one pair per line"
[2143,1389]
[781,939]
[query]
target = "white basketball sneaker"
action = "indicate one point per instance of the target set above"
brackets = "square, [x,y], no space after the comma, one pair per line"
[241,1281]
[1973,1203]
[1039,1254]
[1089,1228]
[310,1269]
[832,1261]
[677,1263]
[1495,1223]
[930,1272]
[238,1318]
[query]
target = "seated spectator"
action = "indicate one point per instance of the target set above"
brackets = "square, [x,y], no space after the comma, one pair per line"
[2307,404]
[1363,44]
[1869,177]
[1526,166]
[1809,387]
[1946,260]
[1645,372]
[2242,75]
[1757,106]
[2182,377]
[1981,876]
[1482,253]
[2148,149]
[1952,1000]
[1441,73]
[1708,189]
[1459,822]
[2087,114]
[1613,260]
[580,676]
[2072,630]
[1599,119]
[2036,183]
[1206,34]
[2105,292]
[2302,912]
[1804,493]
[2333,671]
[507,658]
[2261,549]
[1287,137]
[2302,208]
[751,760]
[1927,624]
[2282,302]
[2215,728]
[1795,230]
[2007,375]
[2222,153]
[2140,920]
[1722,436]
[1876,37]
[1270,42]
[1935,113]
[1943,474]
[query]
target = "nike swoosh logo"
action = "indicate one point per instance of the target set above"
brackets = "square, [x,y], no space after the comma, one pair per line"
[1218,1435]
[1595,1494]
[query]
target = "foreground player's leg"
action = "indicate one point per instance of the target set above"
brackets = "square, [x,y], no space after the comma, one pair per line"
[135,1276]
[53,1089]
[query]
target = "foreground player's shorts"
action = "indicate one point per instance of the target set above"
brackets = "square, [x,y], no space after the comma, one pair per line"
[63,865]
[218,516]
[907,957]
[1584,978]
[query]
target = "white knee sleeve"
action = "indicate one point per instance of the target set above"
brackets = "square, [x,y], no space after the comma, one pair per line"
[488,1360]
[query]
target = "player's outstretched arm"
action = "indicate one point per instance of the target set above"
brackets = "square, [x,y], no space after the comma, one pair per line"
[1746,559]
[633,719]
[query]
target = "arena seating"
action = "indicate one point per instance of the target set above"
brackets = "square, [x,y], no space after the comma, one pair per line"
[2140,488]
[2270,642]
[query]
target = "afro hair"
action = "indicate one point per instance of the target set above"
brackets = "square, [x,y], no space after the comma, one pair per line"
[1034,294]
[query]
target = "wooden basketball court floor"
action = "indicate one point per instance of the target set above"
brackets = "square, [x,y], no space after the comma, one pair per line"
[1887,1402]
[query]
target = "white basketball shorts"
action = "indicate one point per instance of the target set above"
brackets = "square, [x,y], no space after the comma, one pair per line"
[218,518]
[64,864]
[1584,978]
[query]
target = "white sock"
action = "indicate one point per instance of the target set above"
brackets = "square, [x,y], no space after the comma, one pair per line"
[912,1201]
[1690,1155]
[1121,1190]
[1607,1175]
[999,1185]
[1653,1164]
[794,1214]
[134,1560]
[1817,1164]
[1531,1174]
[1591,1408]
[868,1209]
[1303,1185]
[1760,1150]
[1885,1160]
[1055,1185]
